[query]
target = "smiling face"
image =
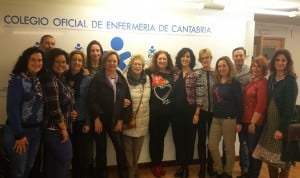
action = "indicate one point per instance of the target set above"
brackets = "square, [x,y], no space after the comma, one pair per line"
[256,70]
[281,63]
[95,53]
[35,63]
[223,68]
[205,60]
[162,61]
[60,64]
[76,63]
[111,64]
[239,59]
[47,43]
[185,60]
[137,67]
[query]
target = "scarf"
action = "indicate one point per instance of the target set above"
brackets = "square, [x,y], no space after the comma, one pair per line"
[133,80]
[36,84]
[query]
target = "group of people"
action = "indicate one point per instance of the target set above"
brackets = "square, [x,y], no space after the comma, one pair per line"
[68,103]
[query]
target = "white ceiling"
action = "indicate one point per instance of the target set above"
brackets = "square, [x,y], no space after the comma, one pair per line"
[280,5]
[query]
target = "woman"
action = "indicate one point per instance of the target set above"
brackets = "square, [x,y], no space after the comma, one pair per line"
[108,90]
[228,110]
[255,102]
[58,116]
[22,132]
[161,76]
[186,111]
[204,91]
[280,111]
[139,86]
[82,139]
[94,53]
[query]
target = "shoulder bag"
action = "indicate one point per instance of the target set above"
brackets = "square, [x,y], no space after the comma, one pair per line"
[132,121]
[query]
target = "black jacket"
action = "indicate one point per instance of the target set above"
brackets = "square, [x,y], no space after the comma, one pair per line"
[101,100]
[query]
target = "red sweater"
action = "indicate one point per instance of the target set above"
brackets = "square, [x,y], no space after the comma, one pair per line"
[255,100]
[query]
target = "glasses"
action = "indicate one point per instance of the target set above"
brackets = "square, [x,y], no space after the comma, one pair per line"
[205,58]
[137,64]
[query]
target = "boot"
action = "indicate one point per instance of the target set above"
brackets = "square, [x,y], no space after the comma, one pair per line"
[178,173]
[210,169]
[202,171]
[284,173]
[273,171]
[185,172]
[158,171]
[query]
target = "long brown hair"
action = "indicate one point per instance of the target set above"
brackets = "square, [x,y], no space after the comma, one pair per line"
[289,70]
[153,65]
[232,71]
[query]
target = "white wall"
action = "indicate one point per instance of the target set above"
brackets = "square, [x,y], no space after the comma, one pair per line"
[291,34]
[223,32]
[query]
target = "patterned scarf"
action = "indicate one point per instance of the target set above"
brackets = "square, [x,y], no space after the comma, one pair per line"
[133,80]
[36,84]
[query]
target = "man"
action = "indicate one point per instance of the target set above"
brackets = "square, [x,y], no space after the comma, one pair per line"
[47,42]
[243,71]
[243,76]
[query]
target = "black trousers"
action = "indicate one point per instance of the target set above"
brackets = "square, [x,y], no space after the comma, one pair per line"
[82,163]
[101,158]
[184,134]
[205,119]
[158,126]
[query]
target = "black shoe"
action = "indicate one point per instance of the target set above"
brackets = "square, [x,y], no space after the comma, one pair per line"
[245,175]
[216,175]
[178,173]
[185,173]
[202,171]
[210,170]
[225,175]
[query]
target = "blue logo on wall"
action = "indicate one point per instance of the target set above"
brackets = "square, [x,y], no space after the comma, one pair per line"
[117,44]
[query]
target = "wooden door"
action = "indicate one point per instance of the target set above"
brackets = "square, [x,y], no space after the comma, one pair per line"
[266,46]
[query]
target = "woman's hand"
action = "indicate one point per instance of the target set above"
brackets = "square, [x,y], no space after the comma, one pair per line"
[73,115]
[63,132]
[64,135]
[277,135]
[127,103]
[85,129]
[20,145]
[238,128]
[251,128]
[118,127]
[195,119]
[86,72]
[98,125]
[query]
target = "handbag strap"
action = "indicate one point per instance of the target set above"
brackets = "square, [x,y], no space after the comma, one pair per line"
[138,108]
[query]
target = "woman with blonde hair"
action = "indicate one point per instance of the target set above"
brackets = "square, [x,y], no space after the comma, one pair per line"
[139,87]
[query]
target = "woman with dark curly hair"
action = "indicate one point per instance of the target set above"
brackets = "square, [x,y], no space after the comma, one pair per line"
[58,116]
[22,133]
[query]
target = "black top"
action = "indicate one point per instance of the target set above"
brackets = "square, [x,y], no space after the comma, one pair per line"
[228,100]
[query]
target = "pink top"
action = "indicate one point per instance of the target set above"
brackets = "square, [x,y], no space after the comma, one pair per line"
[255,100]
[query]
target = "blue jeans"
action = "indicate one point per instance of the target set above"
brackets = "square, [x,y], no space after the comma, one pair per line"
[21,164]
[244,152]
[251,141]
[58,155]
